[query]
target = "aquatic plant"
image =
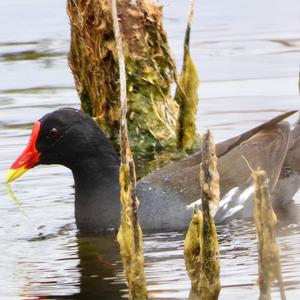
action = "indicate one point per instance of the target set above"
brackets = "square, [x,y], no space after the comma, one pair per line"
[187,94]
[201,245]
[130,233]
[157,123]
[150,69]
[192,251]
[269,266]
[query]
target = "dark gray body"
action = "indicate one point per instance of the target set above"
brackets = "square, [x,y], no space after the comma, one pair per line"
[161,208]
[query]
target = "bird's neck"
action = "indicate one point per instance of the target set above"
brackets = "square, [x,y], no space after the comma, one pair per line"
[97,202]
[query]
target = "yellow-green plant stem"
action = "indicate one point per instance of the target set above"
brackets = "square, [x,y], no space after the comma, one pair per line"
[269,266]
[201,244]
[187,94]
[130,235]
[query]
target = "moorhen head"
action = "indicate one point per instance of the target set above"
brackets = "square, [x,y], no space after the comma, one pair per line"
[70,138]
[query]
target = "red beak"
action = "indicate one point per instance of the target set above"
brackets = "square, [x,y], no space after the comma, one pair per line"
[28,159]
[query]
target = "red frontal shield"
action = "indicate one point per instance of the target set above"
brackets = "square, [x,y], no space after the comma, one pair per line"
[29,158]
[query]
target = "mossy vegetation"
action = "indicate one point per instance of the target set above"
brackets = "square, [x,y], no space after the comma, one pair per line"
[149,69]
[269,266]
[209,281]
[154,124]
[201,244]
[192,250]
[130,235]
[187,95]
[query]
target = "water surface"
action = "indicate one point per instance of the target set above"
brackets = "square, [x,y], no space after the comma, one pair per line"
[247,56]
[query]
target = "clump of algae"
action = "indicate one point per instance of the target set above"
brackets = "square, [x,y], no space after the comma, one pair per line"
[130,233]
[269,266]
[201,245]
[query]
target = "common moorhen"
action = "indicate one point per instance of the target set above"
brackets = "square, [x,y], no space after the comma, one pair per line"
[70,138]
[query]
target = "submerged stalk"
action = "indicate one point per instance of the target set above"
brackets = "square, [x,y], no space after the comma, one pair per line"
[130,233]
[192,251]
[209,283]
[201,244]
[269,265]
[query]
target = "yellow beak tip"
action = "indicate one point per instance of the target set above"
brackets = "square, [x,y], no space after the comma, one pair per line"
[13,174]
[9,176]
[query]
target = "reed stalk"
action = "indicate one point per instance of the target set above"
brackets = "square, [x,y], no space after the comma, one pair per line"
[130,236]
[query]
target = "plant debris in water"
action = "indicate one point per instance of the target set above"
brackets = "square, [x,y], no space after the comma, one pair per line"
[192,251]
[269,266]
[16,201]
[187,94]
[130,233]
[201,245]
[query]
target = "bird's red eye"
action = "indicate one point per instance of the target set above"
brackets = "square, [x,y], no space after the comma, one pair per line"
[53,132]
